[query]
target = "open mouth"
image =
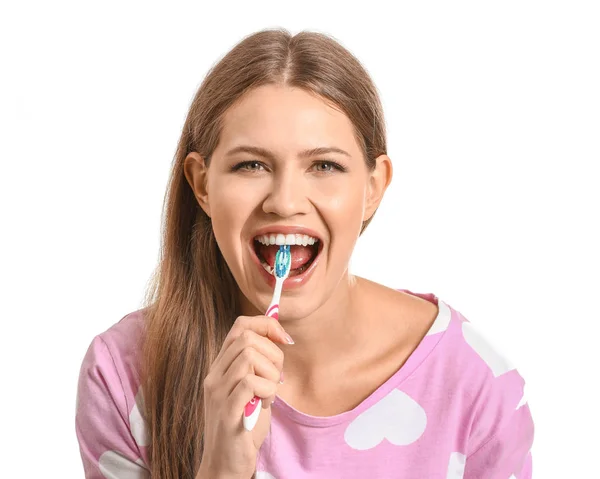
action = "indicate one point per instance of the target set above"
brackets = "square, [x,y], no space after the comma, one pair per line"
[302,256]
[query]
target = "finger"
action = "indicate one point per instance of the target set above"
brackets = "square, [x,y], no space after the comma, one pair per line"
[248,388]
[261,325]
[249,339]
[250,361]
[266,403]
[220,385]
[236,341]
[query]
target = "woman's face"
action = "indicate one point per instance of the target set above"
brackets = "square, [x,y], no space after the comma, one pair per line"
[247,193]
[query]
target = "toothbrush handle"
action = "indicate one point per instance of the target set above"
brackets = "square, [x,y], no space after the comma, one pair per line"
[252,409]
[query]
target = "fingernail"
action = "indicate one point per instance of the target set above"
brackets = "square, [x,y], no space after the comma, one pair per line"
[281,378]
[289,339]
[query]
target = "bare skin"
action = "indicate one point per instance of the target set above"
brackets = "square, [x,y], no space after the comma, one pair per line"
[343,325]
[393,328]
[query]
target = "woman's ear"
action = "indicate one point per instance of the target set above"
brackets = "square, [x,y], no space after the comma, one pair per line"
[196,173]
[379,180]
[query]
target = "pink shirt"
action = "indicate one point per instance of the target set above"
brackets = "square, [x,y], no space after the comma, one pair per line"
[456,409]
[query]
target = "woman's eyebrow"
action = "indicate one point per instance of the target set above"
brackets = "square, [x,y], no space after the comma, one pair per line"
[255,150]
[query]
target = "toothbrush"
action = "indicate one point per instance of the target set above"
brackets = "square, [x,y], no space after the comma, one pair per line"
[281,270]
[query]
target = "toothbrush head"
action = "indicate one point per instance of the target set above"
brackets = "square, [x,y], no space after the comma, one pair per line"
[283,262]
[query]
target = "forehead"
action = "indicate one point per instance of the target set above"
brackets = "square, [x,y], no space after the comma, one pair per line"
[283,118]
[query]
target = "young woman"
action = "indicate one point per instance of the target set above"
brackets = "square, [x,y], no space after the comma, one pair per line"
[286,136]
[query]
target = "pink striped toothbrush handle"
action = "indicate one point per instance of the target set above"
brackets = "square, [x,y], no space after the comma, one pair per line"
[273,311]
[252,409]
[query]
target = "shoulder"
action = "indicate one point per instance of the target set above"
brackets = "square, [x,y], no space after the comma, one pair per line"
[110,425]
[481,357]
[124,338]
[114,355]
[458,367]
[479,372]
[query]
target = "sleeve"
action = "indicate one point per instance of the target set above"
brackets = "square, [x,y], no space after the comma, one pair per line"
[107,446]
[507,454]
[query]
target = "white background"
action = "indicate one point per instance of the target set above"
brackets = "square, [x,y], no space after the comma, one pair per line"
[493,117]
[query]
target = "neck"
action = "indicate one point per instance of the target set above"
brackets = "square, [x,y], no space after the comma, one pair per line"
[329,336]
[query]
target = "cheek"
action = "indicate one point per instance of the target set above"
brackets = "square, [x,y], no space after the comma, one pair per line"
[342,209]
[342,214]
[229,212]
[230,203]
[224,192]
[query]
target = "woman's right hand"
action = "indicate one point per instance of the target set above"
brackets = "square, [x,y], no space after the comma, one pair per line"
[249,364]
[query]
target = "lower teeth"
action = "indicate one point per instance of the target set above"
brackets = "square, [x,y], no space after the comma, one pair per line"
[295,272]
[267,267]
[301,269]
[271,271]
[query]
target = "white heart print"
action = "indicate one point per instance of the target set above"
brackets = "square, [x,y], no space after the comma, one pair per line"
[113,464]
[442,321]
[137,422]
[397,417]
[482,345]
[264,475]
[523,400]
[456,466]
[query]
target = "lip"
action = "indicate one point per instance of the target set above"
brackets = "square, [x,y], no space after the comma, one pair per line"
[290,282]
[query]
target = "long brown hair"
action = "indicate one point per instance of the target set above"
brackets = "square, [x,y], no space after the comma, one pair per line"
[192,299]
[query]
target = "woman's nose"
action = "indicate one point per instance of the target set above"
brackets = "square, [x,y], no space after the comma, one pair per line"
[287,195]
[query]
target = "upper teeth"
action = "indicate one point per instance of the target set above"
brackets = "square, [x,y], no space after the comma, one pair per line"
[290,239]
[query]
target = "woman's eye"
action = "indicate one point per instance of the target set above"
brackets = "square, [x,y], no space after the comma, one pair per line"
[332,164]
[244,164]
[253,166]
